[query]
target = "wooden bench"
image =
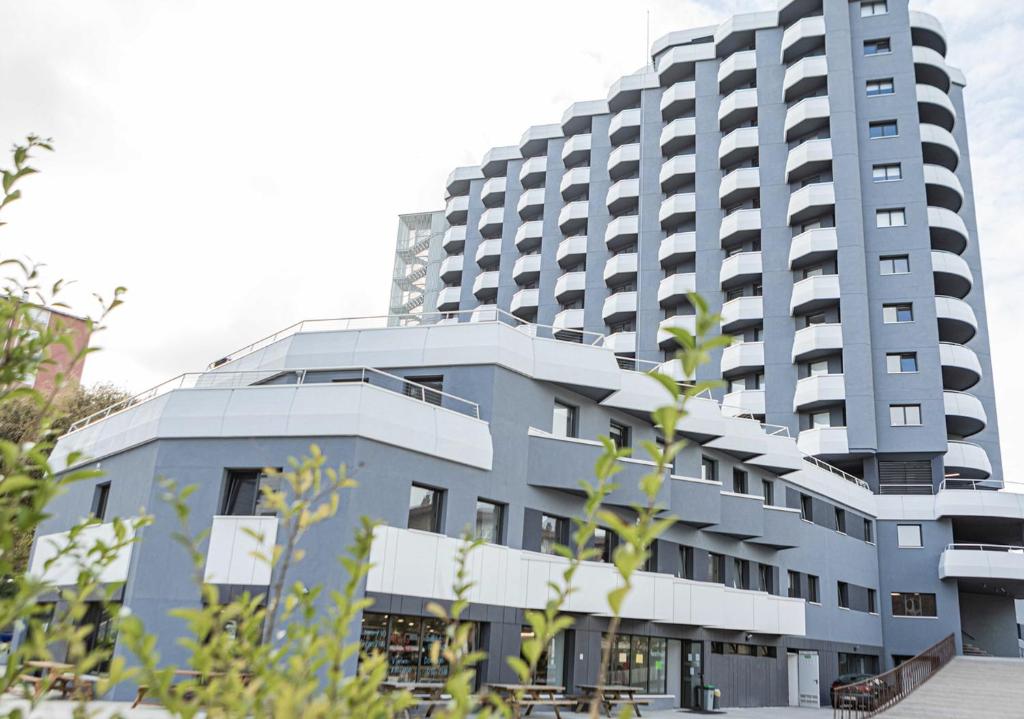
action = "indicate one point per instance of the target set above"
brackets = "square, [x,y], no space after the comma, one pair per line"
[429,704]
[69,685]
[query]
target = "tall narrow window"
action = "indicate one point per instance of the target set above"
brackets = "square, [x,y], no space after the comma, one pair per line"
[840,520]
[716,568]
[869,532]
[553,531]
[872,601]
[765,577]
[490,521]
[686,562]
[739,481]
[740,573]
[603,544]
[100,494]
[843,592]
[794,584]
[425,508]
[813,589]
[768,492]
[619,433]
[806,507]
[564,420]
[242,498]
[708,469]
[905,415]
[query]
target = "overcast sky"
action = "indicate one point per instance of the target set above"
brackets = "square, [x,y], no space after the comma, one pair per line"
[239,165]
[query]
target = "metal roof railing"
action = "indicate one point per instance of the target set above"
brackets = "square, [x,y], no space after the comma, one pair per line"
[1006,548]
[955,483]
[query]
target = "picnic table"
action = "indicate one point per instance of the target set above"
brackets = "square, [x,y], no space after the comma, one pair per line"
[427,694]
[57,675]
[143,689]
[530,695]
[611,696]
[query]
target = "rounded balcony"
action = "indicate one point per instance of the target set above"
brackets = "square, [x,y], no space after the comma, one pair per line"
[578,117]
[952,274]
[624,160]
[619,307]
[459,179]
[573,217]
[742,358]
[927,31]
[738,146]
[576,150]
[819,391]
[961,368]
[965,414]
[740,269]
[571,319]
[805,77]
[488,253]
[666,340]
[531,204]
[935,108]
[943,188]
[739,185]
[526,269]
[621,342]
[451,268]
[620,268]
[806,116]
[824,442]
[533,172]
[939,147]
[623,195]
[817,341]
[491,222]
[673,368]
[626,91]
[812,246]
[813,293]
[739,226]
[454,239]
[496,160]
[808,158]
[624,126]
[966,460]
[677,209]
[743,403]
[738,69]
[456,210]
[679,62]
[676,248]
[930,68]
[957,321]
[534,142]
[570,286]
[524,302]
[737,108]
[575,183]
[675,288]
[677,171]
[485,286]
[802,36]
[811,201]
[678,135]
[529,235]
[492,194]
[947,230]
[571,250]
[678,100]
[621,232]
[448,299]
[740,313]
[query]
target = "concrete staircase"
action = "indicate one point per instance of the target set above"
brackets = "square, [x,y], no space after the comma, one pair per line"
[968,688]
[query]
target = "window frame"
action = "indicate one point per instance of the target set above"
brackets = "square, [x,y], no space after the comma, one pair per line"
[876,43]
[572,419]
[920,599]
[889,214]
[813,589]
[873,4]
[843,595]
[806,508]
[883,125]
[904,411]
[624,431]
[900,357]
[436,508]
[892,260]
[740,481]
[100,500]
[707,462]
[768,492]
[840,519]
[886,166]
[500,514]
[920,536]
[793,590]
[896,308]
[561,533]
[880,84]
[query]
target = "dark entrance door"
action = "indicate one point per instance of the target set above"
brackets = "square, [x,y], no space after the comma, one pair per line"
[693,673]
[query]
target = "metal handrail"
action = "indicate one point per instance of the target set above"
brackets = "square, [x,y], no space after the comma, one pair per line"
[1007,548]
[957,484]
[869,697]
[822,464]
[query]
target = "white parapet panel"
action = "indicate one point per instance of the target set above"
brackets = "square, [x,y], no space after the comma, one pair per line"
[65,569]
[235,542]
[420,564]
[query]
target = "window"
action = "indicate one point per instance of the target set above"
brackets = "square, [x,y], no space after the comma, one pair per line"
[603,545]
[880,87]
[739,481]
[551,664]
[821,420]
[716,568]
[639,662]
[843,592]
[869,532]
[428,389]
[765,577]
[99,501]
[813,589]
[895,217]
[816,271]
[877,47]
[908,536]
[818,318]
[872,601]
[873,7]
[745,650]
[619,434]
[913,604]
[883,128]
[686,562]
[407,643]
[768,492]
[888,172]
[817,369]
[894,264]
[425,509]
[564,421]
[794,584]
[840,520]
[896,313]
[901,362]
[740,573]
[806,507]
[857,663]
[553,531]
[905,415]
[490,522]
[708,469]
[242,498]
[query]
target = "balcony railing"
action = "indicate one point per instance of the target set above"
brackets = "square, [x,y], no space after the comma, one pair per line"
[955,483]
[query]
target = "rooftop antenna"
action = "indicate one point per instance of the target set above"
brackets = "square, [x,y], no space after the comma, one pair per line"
[647,47]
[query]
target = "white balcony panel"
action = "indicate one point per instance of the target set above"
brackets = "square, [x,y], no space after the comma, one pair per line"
[531,204]
[677,247]
[459,179]
[685,322]
[571,319]
[740,225]
[496,160]
[744,402]
[740,268]
[579,115]
[742,312]
[618,307]
[927,30]
[623,195]
[811,201]
[957,321]
[952,274]
[623,160]
[943,188]
[533,171]
[448,299]
[573,217]
[233,542]
[526,268]
[620,267]
[624,126]
[930,68]
[818,391]
[739,184]
[814,292]
[737,69]
[529,235]
[961,368]
[575,182]
[804,76]
[742,357]
[935,107]
[801,36]
[621,342]
[678,134]
[812,246]
[492,194]
[571,250]
[454,239]
[533,145]
[524,301]
[491,221]
[808,158]
[485,285]
[570,285]
[622,231]
[677,170]
[627,89]
[456,210]
[740,144]
[677,208]
[967,460]
[674,289]
[576,149]
[679,61]
[965,414]
[679,99]
[488,253]
[948,230]
[939,147]
[989,563]
[486,312]
[66,563]
[817,341]
[824,442]
[451,268]
[806,115]
[737,107]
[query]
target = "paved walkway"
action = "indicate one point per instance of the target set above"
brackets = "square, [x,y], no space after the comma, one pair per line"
[968,688]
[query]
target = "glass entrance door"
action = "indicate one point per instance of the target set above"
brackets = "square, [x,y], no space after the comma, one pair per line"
[693,673]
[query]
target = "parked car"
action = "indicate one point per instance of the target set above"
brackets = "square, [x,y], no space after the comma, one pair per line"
[867,686]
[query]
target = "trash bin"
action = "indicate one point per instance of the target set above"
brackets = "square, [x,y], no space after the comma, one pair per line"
[709,691]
